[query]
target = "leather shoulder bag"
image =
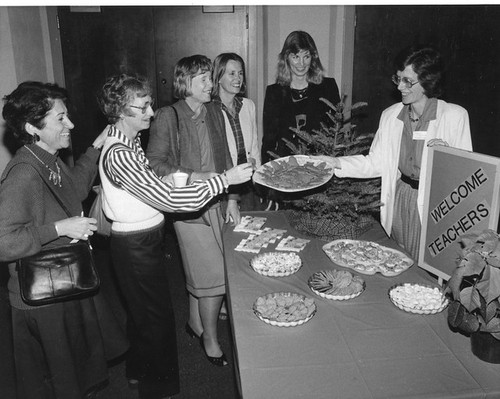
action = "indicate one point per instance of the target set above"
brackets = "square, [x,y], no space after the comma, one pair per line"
[58,274]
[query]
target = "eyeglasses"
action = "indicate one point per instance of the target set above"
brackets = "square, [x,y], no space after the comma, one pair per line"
[407,82]
[146,106]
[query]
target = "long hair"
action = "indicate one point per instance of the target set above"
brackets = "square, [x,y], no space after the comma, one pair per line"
[427,64]
[219,69]
[118,91]
[185,70]
[294,43]
[30,103]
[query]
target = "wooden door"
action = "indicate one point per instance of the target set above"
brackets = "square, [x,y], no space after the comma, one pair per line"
[98,42]
[96,45]
[182,31]
[468,38]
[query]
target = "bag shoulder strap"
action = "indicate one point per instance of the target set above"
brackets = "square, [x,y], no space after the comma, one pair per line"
[177,134]
[55,195]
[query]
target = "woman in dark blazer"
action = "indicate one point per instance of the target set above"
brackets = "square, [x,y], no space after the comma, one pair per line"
[294,100]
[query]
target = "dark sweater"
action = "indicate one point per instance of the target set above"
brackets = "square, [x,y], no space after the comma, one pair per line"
[280,114]
[28,209]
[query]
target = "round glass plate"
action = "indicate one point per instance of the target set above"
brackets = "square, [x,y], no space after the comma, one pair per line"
[284,309]
[276,264]
[325,280]
[293,173]
[418,298]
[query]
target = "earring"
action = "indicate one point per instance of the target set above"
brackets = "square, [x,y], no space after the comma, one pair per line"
[36,137]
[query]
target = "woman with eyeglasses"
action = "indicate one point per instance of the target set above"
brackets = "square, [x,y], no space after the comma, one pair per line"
[294,100]
[134,198]
[398,153]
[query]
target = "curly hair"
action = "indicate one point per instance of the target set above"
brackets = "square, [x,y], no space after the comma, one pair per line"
[30,103]
[427,64]
[294,43]
[219,69]
[186,69]
[118,91]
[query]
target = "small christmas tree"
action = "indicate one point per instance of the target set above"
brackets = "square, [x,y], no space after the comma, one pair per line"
[343,207]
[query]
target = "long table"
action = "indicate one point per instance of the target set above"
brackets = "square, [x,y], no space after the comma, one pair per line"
[360,348]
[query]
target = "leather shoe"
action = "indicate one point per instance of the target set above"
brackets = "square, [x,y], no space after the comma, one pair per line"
[191,332]
[220,361]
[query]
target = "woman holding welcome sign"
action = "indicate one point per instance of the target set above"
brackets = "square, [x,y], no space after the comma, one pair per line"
[398,153]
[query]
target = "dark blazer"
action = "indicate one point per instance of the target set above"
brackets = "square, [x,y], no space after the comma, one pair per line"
[280,111]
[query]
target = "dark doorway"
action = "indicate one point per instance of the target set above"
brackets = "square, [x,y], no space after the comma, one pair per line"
[468,38]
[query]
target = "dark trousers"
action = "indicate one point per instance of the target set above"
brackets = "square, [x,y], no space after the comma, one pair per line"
[141,269]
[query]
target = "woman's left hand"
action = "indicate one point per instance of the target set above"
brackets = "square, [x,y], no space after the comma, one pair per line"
[233,212]
[99,141]
[436,142]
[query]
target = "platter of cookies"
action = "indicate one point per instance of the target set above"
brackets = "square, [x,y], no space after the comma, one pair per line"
[418,298]
[367,257]
[284,309]
[293,173]
[276,264]
[336,284]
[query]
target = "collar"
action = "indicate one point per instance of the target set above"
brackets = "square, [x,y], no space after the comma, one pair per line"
[44,155]
[118,134]
[429,113]
[238,103]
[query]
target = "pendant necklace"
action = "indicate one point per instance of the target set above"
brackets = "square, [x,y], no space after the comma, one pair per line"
[54,177]
[411,113]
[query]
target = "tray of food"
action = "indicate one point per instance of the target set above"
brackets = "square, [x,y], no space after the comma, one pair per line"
[293,173]
[276,264]
[367,257]
[418,298]
[336,284]
[284,309]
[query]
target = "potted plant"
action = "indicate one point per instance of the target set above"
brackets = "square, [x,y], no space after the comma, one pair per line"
[475,290]
[342,208]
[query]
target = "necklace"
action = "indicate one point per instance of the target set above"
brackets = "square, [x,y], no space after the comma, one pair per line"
[299,94]
[411,113]
[54,177]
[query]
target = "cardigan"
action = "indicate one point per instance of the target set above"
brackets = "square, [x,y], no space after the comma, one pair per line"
[451,125]
[279,114]
[29,210]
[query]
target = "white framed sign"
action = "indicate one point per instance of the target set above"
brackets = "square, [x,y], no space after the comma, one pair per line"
[461,196]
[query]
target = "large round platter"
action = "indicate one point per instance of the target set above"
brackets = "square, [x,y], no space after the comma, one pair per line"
[418,298]
[338,285]
[367,257]
[276,264]
[293,173]
[284,309]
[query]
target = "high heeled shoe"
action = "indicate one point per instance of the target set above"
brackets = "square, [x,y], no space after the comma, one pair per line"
[220,361]
[191,332]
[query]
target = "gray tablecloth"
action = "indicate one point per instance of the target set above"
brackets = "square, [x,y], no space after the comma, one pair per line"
[361,348]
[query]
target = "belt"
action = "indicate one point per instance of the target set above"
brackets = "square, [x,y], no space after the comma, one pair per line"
[408,180]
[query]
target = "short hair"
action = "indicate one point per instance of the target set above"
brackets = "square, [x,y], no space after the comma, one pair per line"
[185,70]
[219,69]
[427,64]
[117,93]
[30,103]
[294,43]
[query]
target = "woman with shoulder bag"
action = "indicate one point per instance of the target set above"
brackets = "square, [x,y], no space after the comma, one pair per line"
[58,348]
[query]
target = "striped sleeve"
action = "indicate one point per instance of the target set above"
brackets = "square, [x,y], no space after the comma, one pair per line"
[125,168]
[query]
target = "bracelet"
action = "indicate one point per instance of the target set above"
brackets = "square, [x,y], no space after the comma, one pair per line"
[57,231]
[225,180]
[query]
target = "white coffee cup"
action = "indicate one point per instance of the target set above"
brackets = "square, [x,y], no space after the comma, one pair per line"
[180,179]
